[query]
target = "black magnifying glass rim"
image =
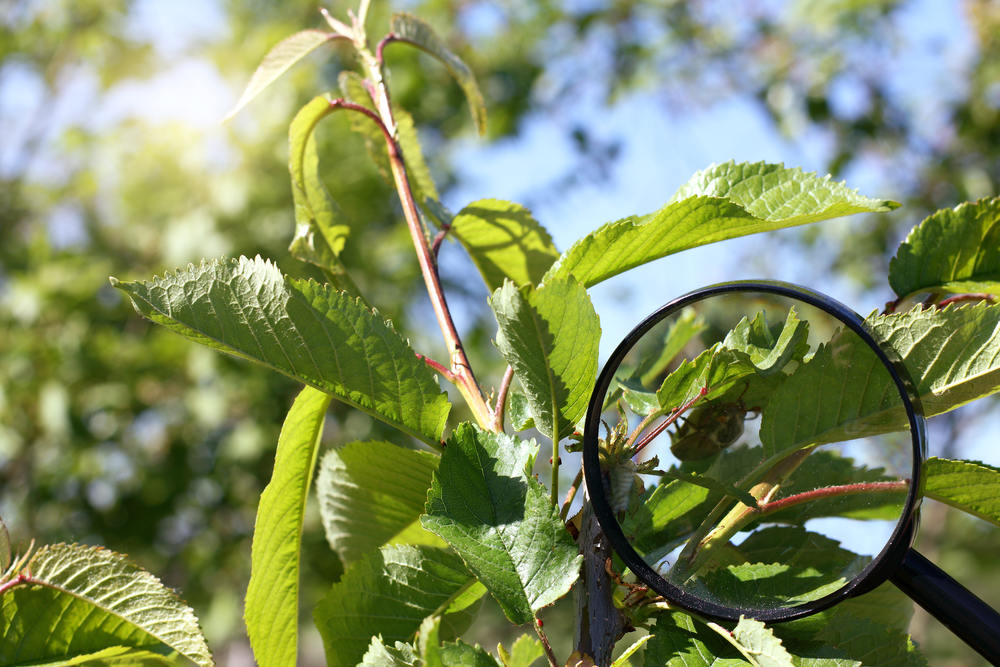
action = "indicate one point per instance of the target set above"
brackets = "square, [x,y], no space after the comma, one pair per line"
[878,569]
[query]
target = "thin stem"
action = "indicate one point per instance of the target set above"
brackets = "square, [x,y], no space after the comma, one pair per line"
[501,405]
[829,492]
[966,297]
[570,495]
[437,367]
[380,47]
[461,369]
[439,239]
[554,470]
[14,581]
[338,27]
[549,653]
[671,418]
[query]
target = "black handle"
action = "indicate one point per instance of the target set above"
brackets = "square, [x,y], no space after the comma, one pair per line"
[972,620]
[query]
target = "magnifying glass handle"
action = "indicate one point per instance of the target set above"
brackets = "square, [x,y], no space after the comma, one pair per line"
[971,619]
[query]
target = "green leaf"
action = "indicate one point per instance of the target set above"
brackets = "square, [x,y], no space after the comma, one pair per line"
[320,229]
[952,354]
[550,337]
[681,332]
[413,156]
[6,557]
[970,486]
[622,660]
[500,521]
[408,28]
[679,641]
[504,241]
[388,593]
[954,250]
[272,600]
[460,654]
[117,655]
[399,654]
[353,89]
[310,332]
[872,643]
[369,493]
[523,653]
[79,600]
[278,60]
[721,202]
[759,642]
[519,412]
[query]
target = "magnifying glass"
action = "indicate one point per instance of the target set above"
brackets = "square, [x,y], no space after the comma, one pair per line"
[751,448]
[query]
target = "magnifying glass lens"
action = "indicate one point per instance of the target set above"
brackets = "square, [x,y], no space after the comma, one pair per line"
[755,451]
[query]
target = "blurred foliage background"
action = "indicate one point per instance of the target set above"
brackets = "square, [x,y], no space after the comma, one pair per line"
[113,162]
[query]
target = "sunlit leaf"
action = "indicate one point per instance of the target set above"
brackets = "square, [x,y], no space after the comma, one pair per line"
[954,250]
[400,654]
[952,354]
[389,593]
[500,521]
[370,492]
[550,337]
[523,652]
[78,600]
[272,599]
[504,241]
[757,640]
[310,332]
[320,227]
[278,60]
[970,486]
[409,28]
[718,203]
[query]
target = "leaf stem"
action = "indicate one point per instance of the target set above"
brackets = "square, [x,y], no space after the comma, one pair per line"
[829,492]
[571,494]
[437,367]
[501,404]
[549,653]
[460,368]
[671,418]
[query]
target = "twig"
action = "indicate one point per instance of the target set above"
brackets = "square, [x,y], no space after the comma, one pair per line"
[671,418]
[829,492]
[570,495]
[549,653]
[980,296]
[464,378]
[500,407]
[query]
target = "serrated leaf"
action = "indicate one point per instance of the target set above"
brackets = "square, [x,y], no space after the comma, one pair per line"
[679,641]
[78,600]
[871,643]
[415,31]
[953,356]
[504,241]
[320,227]
[500,521]
[954,250]
[460,654]
[970,486]
[722,202]
[388,593]
[278,60]
[272,599]
[369,493]
[550,337]
[310,332]
[519,412]
[379,654]
[757,640]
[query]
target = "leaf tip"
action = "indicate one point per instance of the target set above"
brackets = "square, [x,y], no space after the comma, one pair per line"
[114,281]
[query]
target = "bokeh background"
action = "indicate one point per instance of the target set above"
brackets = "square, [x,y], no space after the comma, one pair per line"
[113,161]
